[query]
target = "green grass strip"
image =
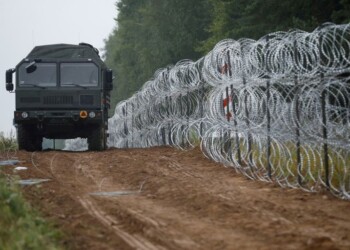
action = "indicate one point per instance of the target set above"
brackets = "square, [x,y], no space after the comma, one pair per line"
[20,226]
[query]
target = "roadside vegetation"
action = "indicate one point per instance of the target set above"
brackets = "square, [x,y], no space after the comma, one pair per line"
[152,34]
[21,227]
[7,143]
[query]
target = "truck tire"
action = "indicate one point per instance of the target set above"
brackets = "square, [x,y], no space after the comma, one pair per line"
[21,137]
[38,143]
[97,140]
[27,139]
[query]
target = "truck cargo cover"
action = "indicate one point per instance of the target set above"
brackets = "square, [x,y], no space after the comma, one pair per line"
[65,51]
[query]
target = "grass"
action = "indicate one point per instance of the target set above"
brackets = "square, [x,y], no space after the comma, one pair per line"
[21,227]
[284,164]
[7,143]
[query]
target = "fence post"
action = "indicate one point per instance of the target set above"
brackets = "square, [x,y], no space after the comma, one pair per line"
[132,125]
[234,113]
[201,109]
[250,156]
[165,106]
[268,153]
[153,122]
[246,111]
[297,130]
[126,131]
[268,116]
[324,121]
[324,130]
[227,135]
[181,115]
[297,113]
[188,111]
[169,108]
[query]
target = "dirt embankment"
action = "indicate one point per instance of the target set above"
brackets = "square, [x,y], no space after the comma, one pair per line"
[169,199]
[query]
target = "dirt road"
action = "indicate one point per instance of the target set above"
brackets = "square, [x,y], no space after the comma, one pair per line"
[163,198]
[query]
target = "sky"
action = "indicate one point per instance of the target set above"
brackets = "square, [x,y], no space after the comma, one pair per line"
[25,24]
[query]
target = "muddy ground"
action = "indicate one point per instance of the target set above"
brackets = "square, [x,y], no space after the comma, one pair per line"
[169,199]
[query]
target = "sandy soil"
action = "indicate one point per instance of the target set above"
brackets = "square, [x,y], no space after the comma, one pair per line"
[169,199]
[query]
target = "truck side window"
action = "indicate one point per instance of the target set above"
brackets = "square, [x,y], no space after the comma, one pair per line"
[44,75]
[85,74]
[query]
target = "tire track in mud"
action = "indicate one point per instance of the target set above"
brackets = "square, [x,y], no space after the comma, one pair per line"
[182,201]
[81,165]
[135,241]
[136,222]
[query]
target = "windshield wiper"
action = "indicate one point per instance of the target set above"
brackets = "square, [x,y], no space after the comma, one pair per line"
[76,85]
[81,86]
[35,85]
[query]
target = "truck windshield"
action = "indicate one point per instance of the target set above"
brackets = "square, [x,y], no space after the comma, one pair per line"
[79,74]
[44,75]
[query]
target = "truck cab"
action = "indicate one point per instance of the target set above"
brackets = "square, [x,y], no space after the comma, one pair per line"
[62,92]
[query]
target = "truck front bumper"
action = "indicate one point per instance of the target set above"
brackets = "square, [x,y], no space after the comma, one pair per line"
[58,116]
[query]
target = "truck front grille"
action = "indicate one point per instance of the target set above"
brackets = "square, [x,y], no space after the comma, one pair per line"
[30,99]
[58,99]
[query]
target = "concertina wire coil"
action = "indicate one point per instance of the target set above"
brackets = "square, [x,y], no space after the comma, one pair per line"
[275,109]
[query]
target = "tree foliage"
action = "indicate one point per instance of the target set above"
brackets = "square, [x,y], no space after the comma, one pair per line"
[152,34]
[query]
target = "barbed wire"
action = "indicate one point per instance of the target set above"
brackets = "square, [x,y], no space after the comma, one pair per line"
[276,109]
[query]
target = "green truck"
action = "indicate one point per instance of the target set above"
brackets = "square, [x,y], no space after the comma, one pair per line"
[62,92]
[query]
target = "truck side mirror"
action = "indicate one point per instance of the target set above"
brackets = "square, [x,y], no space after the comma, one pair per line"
[109,80]
[9,84]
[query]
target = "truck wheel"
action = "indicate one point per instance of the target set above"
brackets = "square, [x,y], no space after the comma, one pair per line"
[38,143]
[25,139]
[96,140]
[21,137]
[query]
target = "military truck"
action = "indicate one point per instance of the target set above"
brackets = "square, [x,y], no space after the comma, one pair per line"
[62,92]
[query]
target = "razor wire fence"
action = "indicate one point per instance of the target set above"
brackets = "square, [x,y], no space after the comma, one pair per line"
[274,109]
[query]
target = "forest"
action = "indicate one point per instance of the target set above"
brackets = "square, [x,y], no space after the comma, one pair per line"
[152,34]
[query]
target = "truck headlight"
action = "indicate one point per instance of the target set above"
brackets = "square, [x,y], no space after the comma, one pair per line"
[24,115]
[92,114]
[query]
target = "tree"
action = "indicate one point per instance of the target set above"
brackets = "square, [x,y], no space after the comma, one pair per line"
[151,34]
[255,18]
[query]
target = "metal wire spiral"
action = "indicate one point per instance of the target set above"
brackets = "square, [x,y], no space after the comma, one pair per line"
[276,109]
